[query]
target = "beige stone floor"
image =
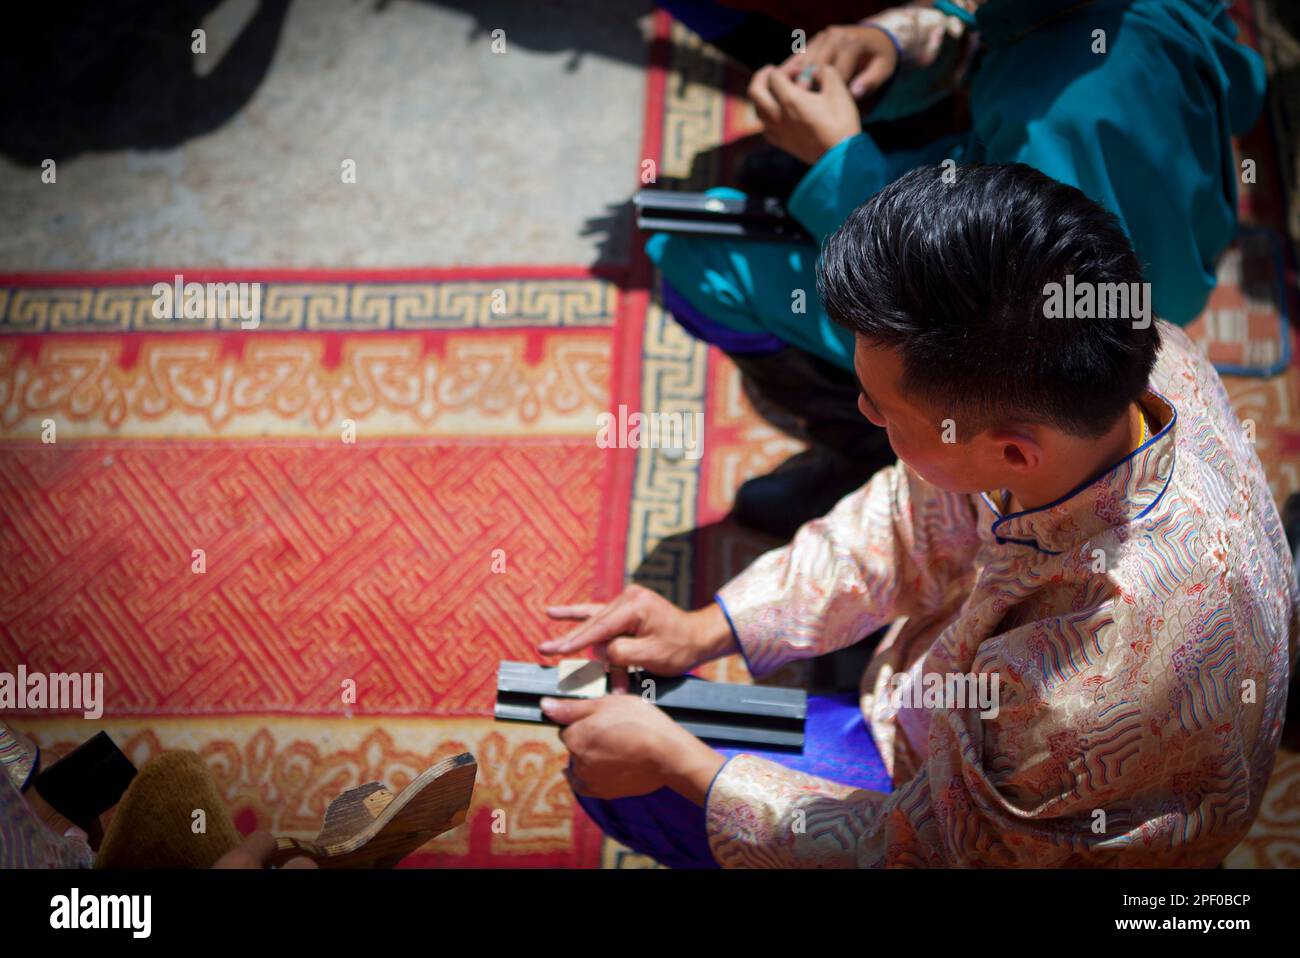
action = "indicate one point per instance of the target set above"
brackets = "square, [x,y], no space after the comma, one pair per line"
[462,155]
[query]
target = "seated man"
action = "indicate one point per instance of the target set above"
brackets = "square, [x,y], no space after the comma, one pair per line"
[1077,524]
[1132,101]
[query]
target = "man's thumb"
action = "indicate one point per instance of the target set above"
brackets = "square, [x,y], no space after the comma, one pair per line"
[567,711]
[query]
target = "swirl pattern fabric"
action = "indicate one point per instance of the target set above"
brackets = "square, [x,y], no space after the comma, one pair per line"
[1141,630]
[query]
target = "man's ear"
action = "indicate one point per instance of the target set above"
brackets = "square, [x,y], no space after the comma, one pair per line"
[1016,449]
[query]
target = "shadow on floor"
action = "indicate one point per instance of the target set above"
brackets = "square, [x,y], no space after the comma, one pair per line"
[579,28]
[77,77]
[715,553]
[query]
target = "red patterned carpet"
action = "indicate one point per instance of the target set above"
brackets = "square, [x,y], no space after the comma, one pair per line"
[410,561]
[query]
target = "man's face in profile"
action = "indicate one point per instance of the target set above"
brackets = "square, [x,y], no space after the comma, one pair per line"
[917,429]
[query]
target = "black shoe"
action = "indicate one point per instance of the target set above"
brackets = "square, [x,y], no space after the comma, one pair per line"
[770,171]
[822,397]
[846,450]
[803,488]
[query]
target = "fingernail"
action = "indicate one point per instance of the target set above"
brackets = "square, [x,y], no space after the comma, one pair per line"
[548,704]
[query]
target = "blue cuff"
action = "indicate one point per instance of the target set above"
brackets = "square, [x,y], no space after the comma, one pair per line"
[847,175]
[717,597]
[713,781]
[707,794]
[898,49]
[31,772]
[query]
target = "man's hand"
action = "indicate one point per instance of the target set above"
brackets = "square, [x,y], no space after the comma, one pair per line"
[804,122]
[621,745]
[255,851]
[866,54]
[644,629]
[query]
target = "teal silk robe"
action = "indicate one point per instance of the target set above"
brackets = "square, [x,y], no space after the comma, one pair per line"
[1144,129]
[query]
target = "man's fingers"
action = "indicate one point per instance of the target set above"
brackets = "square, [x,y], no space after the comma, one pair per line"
[602,627]
[833,85]
[625,652]
[760,93]
[871,78]
[260,845]
[832,81]
[617,618]
[580,610]
[237,858]
[252,852]
[568,711]
[801,68]
[788,93]
[792,64]
[577,784]
[845,61]
[820,48]
[618,681]
[255,851]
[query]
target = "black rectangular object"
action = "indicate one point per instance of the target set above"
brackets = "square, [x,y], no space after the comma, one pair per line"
[723,712]
[753,217]
[86,782]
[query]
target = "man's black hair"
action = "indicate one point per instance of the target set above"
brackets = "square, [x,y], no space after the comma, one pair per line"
[951,272]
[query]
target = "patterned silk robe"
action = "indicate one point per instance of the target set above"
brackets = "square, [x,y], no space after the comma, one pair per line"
[1140,631]
[26,841]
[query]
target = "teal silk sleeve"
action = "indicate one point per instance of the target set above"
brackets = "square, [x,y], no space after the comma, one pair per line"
[853,171]
[1136,105]
[1133,102]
